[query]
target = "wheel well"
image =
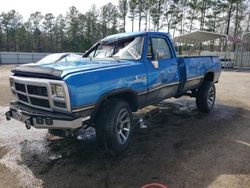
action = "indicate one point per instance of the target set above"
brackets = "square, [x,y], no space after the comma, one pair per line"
[128,96]
[209,77]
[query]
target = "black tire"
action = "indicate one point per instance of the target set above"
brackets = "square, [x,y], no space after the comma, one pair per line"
[205,97]
[109,131]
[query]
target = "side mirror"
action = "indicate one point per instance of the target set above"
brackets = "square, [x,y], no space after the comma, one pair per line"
[160,53]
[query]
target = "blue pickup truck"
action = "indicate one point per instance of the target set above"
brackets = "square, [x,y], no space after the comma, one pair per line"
[117,76]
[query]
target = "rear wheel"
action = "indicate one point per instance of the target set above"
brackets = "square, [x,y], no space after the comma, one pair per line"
[114,126]
[206,97]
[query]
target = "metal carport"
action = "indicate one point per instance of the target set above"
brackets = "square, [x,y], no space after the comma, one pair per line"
[195,39]
[198,37]
[240,57]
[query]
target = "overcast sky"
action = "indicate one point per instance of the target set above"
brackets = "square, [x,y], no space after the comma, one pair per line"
[26,7]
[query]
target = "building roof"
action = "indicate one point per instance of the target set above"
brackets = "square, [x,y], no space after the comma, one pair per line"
[198,37]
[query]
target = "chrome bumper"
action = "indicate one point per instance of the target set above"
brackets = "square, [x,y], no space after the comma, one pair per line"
[46,120]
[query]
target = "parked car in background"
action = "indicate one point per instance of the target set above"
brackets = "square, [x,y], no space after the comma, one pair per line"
[227,63]
[59,57]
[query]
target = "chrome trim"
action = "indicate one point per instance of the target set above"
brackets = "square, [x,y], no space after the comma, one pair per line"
[159,87]
[165,85]
[142,93]
[59,124]
[86,118]
[195,78]
[82,109]
[58,99]
[44,83]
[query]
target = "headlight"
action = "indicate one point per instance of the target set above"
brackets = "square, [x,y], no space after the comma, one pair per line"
[12,87]
[57,90]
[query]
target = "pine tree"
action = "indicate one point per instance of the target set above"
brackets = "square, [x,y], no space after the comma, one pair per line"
[132,12]
[123,10]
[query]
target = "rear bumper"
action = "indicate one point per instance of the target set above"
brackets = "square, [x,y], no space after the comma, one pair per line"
[47,120]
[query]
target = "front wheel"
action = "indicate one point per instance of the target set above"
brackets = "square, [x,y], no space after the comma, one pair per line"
[206,97]
[114,126]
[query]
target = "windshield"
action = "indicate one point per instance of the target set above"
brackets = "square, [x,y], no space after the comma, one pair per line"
[130,48]
[104,51]
[132,51]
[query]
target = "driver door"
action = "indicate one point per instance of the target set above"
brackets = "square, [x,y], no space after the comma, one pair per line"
[162,66]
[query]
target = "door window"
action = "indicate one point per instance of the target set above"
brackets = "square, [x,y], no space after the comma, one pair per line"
[159,48]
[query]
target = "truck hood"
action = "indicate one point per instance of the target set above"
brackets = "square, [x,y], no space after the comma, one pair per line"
[59,70]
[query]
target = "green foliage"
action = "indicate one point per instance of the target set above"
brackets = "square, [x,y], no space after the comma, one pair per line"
[123,11]
[132,11]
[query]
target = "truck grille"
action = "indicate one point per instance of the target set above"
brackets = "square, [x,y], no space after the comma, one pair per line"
[22,97]
[33,95]
[37,90]
[20,87]
[39,102]
[36,93]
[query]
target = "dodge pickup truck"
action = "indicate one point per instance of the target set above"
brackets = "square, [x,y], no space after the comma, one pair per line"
[117,76]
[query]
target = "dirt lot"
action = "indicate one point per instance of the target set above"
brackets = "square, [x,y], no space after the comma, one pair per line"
[180,148]
[5,94]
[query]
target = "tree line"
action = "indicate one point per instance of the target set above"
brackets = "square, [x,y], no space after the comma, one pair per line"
[76,31]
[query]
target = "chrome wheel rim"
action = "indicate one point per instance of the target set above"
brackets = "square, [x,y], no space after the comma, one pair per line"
[123,125]
[211,97]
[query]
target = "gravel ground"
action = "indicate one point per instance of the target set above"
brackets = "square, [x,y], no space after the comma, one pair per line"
[180,147]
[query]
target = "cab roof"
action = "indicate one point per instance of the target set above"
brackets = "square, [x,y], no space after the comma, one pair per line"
[116,37]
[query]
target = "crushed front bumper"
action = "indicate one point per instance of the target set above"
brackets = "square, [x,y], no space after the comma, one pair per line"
[47,120]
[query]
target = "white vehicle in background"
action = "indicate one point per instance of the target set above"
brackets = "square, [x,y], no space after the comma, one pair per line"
[59,57]
[227,63]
